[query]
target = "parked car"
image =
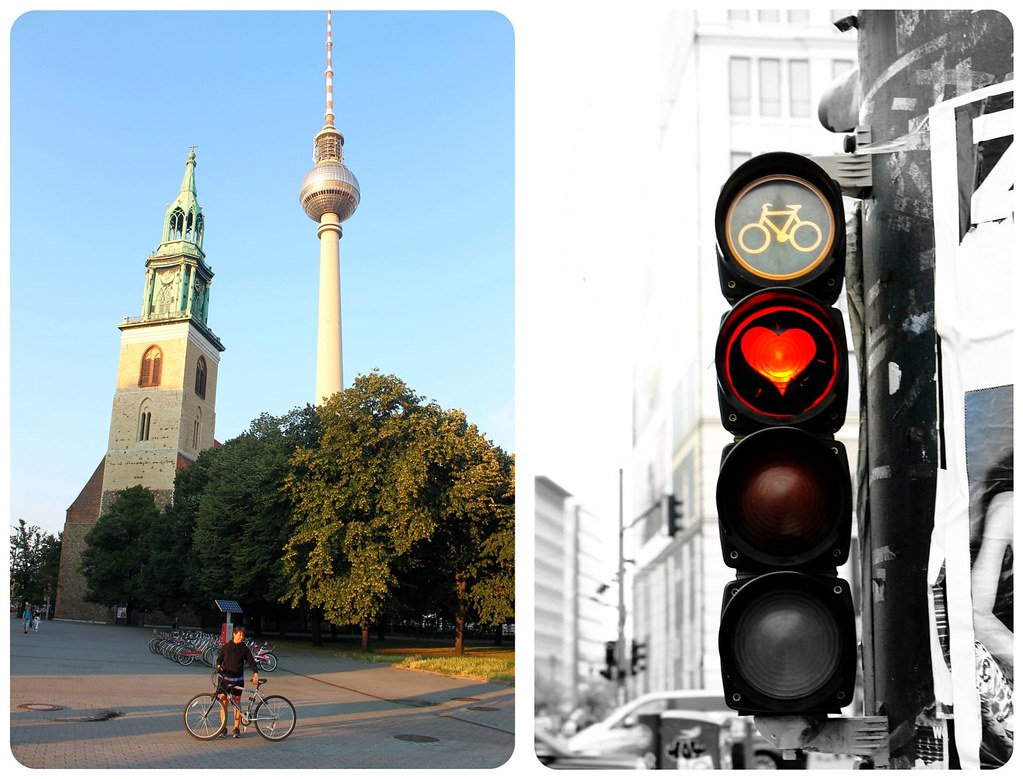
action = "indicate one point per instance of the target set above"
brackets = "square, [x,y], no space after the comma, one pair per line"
[553,752]
[630,729]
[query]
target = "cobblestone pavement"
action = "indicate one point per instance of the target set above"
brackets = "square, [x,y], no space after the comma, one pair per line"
[93,696]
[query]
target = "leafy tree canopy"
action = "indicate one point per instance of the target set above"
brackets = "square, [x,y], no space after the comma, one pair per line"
[35,561]
[242,516]
[115,553]
[360,499]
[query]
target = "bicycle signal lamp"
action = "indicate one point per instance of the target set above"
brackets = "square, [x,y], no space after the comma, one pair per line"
[787,638]
[780,222]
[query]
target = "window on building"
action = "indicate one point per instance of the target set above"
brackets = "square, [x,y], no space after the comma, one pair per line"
[737,158]
[799,88]
[770,87]
[799,17]
[149,376]
[145,420]
[739,86]
[738,16]
[200,377]
[768,16]
[195,430]
[841,67]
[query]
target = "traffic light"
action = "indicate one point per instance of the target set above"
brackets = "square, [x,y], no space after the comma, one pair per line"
[779,223]
[671,509]
[781,358]
[610,670]
[638,657]
[787,638]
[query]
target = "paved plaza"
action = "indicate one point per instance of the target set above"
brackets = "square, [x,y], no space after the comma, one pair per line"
[94,696]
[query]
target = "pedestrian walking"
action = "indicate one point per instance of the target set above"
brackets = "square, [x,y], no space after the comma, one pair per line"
[36,618]
[27,616]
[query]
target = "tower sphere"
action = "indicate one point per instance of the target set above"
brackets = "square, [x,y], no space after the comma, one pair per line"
[329,188]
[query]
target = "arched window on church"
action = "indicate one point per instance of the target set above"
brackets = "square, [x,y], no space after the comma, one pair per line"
[196,427]
[145,422]
[152,360]
[177,221]
[200,377]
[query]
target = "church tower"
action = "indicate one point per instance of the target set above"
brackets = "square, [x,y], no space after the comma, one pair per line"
[165,398]
[166,393]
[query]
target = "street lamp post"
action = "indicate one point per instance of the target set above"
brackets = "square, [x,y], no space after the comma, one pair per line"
[620,676]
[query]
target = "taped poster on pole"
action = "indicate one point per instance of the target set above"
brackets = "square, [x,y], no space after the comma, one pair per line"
[971,562]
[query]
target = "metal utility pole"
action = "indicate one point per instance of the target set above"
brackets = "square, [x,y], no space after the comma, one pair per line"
[620,678]
[909,62]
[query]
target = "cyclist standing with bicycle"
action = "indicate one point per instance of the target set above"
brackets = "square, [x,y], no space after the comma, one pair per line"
[231,661]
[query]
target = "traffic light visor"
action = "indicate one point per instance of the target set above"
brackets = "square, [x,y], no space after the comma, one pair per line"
[781,359]
[784,500]
[788,644]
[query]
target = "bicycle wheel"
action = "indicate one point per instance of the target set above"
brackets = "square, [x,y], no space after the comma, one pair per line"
[754,238]
[806,236]
[275,718]
[205,716]
[267,662]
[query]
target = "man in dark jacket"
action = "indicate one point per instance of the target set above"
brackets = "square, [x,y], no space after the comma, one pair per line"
[231,661]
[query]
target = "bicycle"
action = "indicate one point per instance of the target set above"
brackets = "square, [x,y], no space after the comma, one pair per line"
[755,237]
[206,714]
[265,658]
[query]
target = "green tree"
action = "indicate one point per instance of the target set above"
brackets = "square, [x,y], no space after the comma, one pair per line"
[115,552]
[360,500]
[167,576]
[35,562]
[472,486]
[492,594]
[243,515]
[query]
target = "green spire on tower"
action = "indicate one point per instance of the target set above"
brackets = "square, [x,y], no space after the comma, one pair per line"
[183,222]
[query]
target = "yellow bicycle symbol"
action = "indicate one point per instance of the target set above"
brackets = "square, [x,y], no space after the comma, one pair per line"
[804,235]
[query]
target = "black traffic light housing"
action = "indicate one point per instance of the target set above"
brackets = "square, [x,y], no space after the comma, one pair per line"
[638,657]
[780,223]
[671,510]
[782,359]
[788,644]
[610,670]
[787,638]
[784,500]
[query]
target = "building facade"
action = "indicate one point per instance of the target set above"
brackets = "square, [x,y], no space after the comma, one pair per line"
[734,84]
[574,603]
[164,407]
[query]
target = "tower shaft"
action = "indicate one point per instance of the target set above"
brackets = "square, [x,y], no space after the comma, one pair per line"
[329,372]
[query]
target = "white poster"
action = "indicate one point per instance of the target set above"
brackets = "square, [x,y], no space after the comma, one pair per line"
[971,551]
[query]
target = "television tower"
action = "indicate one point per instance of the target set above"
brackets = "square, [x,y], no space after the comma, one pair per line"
[329,195]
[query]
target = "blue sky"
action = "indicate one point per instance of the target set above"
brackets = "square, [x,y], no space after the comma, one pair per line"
[104,108]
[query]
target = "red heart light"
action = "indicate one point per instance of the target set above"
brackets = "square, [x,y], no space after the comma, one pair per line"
[778,357]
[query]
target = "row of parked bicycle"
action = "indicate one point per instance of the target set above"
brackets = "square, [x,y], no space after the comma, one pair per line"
[187,646]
